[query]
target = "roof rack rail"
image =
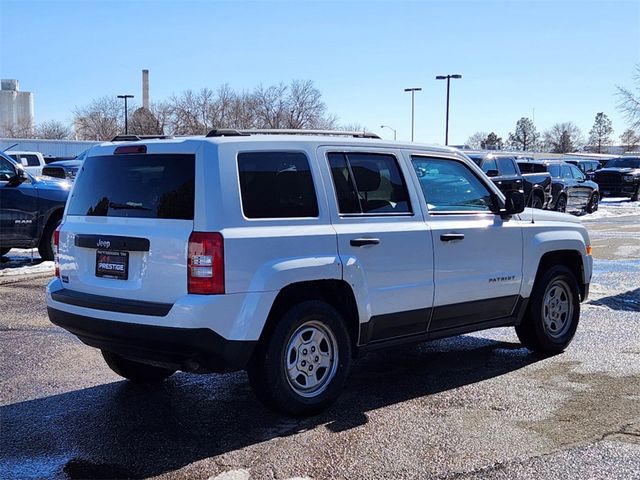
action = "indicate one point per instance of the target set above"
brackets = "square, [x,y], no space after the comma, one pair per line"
[226,132]
[279,131]
[135,138]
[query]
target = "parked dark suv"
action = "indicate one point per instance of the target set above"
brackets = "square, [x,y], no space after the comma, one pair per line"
[570,189]
[620,178]
[588,166]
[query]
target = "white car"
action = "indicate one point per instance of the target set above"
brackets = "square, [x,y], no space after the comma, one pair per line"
[33,162]
[290,254]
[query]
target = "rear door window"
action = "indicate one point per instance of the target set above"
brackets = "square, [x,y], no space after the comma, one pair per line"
[368,183]
[142,186]
[27,160]
[276,185]
[506,167]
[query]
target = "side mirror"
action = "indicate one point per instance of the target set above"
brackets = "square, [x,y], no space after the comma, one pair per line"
[19,177]
[514,202]
[492,173]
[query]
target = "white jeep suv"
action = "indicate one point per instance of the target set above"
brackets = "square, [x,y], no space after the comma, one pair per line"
[290,254]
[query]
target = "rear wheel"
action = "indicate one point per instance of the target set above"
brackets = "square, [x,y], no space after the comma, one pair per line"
[4,251]
[552,317]
[301,367]
[634,197]
[135,371]
[46,248]
[592,206]
[561,204]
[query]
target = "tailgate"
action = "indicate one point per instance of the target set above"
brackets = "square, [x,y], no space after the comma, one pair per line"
[127,226]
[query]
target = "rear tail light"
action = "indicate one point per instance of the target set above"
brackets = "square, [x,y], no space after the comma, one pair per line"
[56,249]
[205,263]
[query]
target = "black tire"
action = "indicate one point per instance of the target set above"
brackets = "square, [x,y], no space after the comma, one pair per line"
[592,206]
[534,332]
[4,251]
[634,197]
[135,371]
[45,249]
[536,201]
[561,204]
[268,372]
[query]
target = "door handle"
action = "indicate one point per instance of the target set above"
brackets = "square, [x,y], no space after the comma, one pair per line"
[448,237]
[361,242]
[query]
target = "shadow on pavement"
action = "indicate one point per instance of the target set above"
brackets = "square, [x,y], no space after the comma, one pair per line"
[122,430]
[627,301]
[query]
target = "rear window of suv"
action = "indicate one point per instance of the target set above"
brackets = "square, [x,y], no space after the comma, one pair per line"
[142,186]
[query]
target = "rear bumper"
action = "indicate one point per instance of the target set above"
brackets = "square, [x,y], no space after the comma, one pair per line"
[188,349]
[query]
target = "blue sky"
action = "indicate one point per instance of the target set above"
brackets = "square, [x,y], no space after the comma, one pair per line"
[562,59]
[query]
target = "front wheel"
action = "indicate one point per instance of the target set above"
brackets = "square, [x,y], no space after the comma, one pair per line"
[301,367]
[135,371]
[592,206]
[561,204]
[634,197]
[552,316]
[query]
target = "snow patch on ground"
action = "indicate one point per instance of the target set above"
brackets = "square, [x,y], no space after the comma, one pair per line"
[613,207]
[24,261]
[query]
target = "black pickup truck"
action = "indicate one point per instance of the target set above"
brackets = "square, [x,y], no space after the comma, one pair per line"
[504,171]
[620,178]
[30,208]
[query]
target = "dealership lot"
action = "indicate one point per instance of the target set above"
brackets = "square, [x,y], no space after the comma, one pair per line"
[474,406]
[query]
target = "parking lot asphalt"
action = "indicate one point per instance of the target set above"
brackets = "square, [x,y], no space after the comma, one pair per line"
[469,407]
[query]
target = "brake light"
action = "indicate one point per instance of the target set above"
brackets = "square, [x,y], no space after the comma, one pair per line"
[205,263]
[126,149]
[56,250]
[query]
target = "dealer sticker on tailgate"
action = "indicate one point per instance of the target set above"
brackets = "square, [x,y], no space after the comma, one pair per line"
[112,264]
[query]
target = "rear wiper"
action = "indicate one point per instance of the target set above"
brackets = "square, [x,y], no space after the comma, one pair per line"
[127,206]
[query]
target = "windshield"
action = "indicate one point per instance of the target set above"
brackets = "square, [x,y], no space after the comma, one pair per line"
[147,186]
[624,163]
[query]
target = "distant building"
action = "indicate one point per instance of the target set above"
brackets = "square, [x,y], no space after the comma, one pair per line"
[16,108]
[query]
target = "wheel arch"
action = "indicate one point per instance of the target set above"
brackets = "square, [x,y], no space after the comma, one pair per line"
[572,259]
[336,293]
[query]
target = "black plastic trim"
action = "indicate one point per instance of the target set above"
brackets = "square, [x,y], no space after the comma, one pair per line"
[390,325]
[465,313]
[190,349]
[111,304]
[112,242]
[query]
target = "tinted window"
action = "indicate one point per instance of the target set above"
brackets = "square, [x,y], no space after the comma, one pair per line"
[368,183]
[566,172]
[6,170]
[489,164]
[506,166]
[624,163]
[577,174]
[554,170]
[448,185]
[276,185]
[143,186]
[27,160]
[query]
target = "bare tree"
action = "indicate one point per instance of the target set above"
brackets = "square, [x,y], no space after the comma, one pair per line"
[630,140]
[271,106]
[54,130]
[492,142]
[563,137]
[525,137]
[102,119]
[20,129]
[629,100]
[475,141]
[600,132]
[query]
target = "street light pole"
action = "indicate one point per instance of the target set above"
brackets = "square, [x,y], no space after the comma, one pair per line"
[126,116]
[390,128]
[448,78]
[413,91]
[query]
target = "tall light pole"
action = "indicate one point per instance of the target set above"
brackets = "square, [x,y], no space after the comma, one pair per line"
[390,128]
[413,91]
[448,79]
[126,116]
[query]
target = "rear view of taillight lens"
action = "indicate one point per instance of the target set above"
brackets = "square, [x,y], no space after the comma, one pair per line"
[205,263]
[56,249]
